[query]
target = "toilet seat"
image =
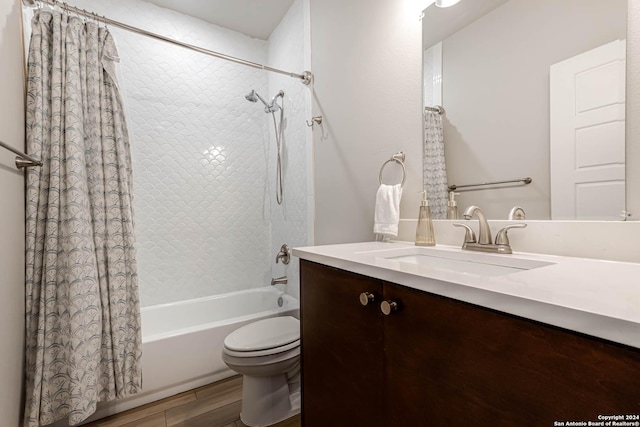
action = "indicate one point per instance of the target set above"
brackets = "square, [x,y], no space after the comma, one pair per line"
[266,352]
[264,337]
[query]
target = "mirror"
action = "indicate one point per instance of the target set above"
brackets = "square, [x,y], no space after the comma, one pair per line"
[531,89]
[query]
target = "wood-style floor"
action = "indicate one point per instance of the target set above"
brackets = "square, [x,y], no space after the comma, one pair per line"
[214,405]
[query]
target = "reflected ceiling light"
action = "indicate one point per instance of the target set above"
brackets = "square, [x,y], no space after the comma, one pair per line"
[446,3]
[418,5]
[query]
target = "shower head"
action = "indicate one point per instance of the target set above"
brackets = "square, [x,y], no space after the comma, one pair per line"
[270,107]
[251,96]
[273,105]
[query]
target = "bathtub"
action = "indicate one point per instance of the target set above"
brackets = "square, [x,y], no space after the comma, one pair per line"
[182,341]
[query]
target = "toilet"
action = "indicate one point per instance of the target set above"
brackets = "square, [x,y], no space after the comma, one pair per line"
[267,354]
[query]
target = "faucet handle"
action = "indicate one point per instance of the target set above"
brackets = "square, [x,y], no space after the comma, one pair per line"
[284,254]
[501,236]
[469,235]
[516,213]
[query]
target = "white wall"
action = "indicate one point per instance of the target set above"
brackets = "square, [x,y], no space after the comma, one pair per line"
[496,94]
[367,61]
[11,216]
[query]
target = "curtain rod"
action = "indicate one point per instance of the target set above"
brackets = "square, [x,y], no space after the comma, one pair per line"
[23,160]
[436,109]
[306,77]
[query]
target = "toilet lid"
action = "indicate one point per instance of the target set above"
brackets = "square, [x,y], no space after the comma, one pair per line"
[264,334]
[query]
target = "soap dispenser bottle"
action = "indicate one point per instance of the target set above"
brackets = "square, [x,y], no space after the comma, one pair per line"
[452,206]
[424,231]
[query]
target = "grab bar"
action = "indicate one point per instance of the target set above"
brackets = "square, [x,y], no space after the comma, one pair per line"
[525,181]
[399,158]
[23,160]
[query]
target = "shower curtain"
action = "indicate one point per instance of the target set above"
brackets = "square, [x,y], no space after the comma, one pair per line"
[435,170]
[83,342]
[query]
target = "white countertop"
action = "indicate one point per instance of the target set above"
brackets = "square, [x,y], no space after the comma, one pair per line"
[595,297]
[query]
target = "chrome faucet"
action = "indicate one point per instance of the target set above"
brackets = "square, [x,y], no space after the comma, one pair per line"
[484,242]
[484,232]
[279,281]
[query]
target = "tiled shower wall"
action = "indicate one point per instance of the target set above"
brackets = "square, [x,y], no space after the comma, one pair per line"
[291,221]
[203,160]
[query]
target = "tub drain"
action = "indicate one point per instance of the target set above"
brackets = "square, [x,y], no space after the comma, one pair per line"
[280,301]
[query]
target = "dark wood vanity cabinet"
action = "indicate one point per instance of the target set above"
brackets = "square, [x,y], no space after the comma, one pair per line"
[440,362]
[341,348]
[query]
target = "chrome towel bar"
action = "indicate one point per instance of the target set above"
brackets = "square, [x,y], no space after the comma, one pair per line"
[23,160]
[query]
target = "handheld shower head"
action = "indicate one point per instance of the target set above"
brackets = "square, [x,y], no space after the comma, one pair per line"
[271,107]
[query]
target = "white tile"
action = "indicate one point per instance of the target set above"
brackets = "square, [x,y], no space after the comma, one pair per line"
[204,157]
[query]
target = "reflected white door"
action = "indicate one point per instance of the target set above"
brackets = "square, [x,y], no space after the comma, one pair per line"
[588,135]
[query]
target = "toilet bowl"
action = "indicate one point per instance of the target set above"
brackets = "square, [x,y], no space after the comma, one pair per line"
[267,354]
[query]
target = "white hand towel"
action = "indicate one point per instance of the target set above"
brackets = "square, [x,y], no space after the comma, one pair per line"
[387,211]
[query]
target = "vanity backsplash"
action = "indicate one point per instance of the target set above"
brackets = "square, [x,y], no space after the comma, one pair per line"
[600,240]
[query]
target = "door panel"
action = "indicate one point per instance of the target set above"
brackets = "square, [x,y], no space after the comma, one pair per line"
[342,352]
[450,363]
[587,135]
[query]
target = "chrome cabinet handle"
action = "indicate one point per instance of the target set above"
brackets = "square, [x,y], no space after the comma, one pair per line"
[366,298]
[388,307]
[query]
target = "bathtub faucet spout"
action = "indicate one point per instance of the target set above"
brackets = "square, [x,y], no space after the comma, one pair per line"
[279,281]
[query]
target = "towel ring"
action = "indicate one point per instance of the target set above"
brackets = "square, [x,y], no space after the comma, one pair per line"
[399,158]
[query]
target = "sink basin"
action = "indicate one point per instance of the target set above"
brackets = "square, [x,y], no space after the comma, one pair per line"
[461,262]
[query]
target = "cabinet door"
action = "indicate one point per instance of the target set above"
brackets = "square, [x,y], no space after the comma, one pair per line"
[342,352]
[451,363]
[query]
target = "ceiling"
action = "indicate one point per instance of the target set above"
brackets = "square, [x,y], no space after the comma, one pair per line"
[439,23]
[255,18]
